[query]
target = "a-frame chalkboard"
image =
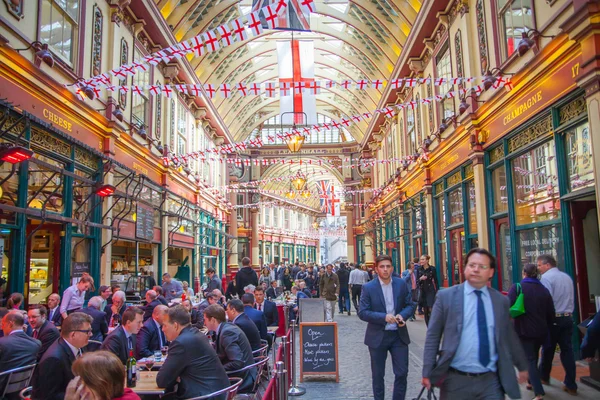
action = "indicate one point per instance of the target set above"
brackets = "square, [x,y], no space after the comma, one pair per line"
[319,349]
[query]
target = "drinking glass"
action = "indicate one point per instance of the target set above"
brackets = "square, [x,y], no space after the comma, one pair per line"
[164,350]
[149,365]
[157,356]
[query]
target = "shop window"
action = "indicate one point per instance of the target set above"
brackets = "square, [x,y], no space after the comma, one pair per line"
[536,185]
[500,192]
[59,25]
[579,157]
[8,191]
[81,198]
[286,219]
[543,240]
[276,217]
[5,254]
[240,211]
[516,17]
[45,190]
[444,70]
[267,216]
[139,111]
[472,208]
[504,252]
[181,129]
[411,132]
[456,206]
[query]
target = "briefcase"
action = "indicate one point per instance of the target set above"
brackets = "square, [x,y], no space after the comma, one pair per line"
[429,396]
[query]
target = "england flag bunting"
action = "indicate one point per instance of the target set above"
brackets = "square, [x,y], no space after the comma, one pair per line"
[255,89]
[211,43]
[181,88]
[242,89]
[254,24]
[210,90]
[239,30]
[166,91]
[227,37]
[198,46]
[225,90]
[270,89]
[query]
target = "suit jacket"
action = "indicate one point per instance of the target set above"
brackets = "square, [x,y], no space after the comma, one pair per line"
[270,293]
[447,321]
[148,339]
[17,350]
[149,309]
[373,310]
[47,334]
[99,324]
[250,330]
[162,300]
[214,283]
[109,313]
[259,319]
[271,313]
[234,351]
[56,317]
[53,372]
[194,361]
[329,286]
[116,342]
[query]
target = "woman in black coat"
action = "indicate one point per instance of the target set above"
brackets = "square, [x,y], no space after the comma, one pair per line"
[533,326]
[428,283]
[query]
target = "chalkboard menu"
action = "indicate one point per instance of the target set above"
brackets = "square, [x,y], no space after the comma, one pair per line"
[79,268]
[318,349]
[144,223]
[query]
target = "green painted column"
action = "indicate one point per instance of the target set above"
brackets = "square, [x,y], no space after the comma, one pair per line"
[66,234]
[18,262]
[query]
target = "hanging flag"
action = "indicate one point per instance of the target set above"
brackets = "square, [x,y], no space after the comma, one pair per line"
[296,61]
[324,188]
[294,17]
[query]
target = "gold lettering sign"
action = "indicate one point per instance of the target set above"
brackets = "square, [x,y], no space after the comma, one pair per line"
[521,108]
[57,120]
[140,168]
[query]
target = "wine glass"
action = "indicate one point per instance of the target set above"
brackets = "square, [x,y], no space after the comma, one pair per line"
[164,350]
[149,365]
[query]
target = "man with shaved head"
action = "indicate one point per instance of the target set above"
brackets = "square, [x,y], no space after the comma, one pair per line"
[151,302]
[151,337]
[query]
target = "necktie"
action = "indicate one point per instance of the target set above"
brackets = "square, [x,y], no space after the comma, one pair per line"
[484,341]
[35,333]
[163,340]
[78,353]
[51,315]
[130,342]
[259,307]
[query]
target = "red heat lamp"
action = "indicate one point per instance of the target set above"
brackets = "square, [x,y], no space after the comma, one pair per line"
[105,190]
[15,154]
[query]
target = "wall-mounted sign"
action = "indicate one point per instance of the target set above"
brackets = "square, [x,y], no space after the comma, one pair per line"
[144,223]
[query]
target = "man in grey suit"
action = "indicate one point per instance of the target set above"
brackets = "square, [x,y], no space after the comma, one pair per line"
[480,348]
[16,348]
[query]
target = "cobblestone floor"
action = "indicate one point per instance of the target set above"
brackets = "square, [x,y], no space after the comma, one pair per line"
[355,370]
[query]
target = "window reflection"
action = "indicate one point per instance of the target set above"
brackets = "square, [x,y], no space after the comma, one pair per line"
[45,186]
[500,190]
[579,157]
[456,206]
[59,26]
[516,17]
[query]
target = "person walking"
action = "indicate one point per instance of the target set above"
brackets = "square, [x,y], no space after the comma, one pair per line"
[344,298]
[329,289]
[428,286]
[411,277]
[386,304]
[357,279]
[560,286]
[532,327]
[480,345]
[245,276]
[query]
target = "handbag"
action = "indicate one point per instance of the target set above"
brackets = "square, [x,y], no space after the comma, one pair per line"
[430,394]
[518,308]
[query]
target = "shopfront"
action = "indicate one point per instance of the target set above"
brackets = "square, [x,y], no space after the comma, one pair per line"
[455,222]
[414,227]
[212,245]
[360,249]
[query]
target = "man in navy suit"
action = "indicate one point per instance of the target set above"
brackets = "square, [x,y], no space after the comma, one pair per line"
[43,330]
[258,317]
[235,314]
[123,339]
[386,304]
[54,309]
[16,348]
[99,324]
[267,307]
[151,337]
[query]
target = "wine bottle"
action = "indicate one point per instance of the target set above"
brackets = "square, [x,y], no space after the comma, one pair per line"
[131,370]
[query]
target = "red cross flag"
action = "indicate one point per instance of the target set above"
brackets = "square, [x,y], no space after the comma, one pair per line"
[195,90]
[242,89]
[296,60]
[226,35]
[211,43]
[270,89]
[255,89]
[210,89]
[166,91]
[198,46]
[254,24]
[239,30]
[225,90]
[346,84]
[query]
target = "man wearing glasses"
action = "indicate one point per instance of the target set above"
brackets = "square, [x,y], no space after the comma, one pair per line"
[53,372]
[480,346]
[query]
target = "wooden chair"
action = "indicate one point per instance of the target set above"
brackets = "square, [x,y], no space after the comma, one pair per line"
[259,363]
[16,379]
[231,390]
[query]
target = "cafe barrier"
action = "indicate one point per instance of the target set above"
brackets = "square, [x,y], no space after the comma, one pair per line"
[273,388]
[282,381]
[295,390]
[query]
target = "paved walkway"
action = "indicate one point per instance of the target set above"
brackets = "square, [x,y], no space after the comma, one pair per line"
[355,369]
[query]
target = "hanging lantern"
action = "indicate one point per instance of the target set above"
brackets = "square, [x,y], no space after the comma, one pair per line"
[290,194]
[305,194]
[295,143]
[299,182]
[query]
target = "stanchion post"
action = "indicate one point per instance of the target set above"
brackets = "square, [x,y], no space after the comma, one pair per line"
[285,344]
[281,374]
[286,317]
[295,390]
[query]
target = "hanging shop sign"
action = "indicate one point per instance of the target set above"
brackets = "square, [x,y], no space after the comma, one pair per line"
[554,84]
[144,222]
[452,159]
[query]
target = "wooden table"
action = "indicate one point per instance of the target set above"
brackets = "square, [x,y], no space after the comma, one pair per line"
[156,364]
[146,383]
[272,328]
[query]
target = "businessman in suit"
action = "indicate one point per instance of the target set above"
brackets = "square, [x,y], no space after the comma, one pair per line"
[386,304]
[53,372]
[271,292]
[258,317]
[43,330]
[16,348]
[267,307]
[151,302]
[54,309]
[99,324]
[232,345]
[235,313]
[480,348]
[192,363]
[151,337]
[123,339]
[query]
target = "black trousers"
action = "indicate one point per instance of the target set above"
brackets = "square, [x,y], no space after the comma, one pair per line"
[399,353]
[356,290]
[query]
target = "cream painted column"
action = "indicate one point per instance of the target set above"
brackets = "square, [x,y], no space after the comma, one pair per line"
[350,234]
[164,239]
[403,260]
[233,259]
[254,226]
[480,200]
[593,109]
[107,234]
[369,250]
[430,226]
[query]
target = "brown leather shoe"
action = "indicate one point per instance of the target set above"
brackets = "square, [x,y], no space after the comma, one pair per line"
[572,392]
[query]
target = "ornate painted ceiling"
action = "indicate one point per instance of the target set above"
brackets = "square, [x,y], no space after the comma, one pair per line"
[353,40]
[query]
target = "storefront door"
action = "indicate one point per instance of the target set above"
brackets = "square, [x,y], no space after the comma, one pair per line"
[504,260]
[43,255]
[457,252]
[584,222]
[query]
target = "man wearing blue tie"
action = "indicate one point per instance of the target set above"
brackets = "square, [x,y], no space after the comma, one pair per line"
[480,346]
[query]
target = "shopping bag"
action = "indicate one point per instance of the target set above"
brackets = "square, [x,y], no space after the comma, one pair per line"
[430,394]
[518,308]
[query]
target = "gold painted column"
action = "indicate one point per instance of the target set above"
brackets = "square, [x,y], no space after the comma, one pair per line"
[233,258]
[429,222]
[480,200]
[403,260]
[254,226]
[350,234]
[107,234]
